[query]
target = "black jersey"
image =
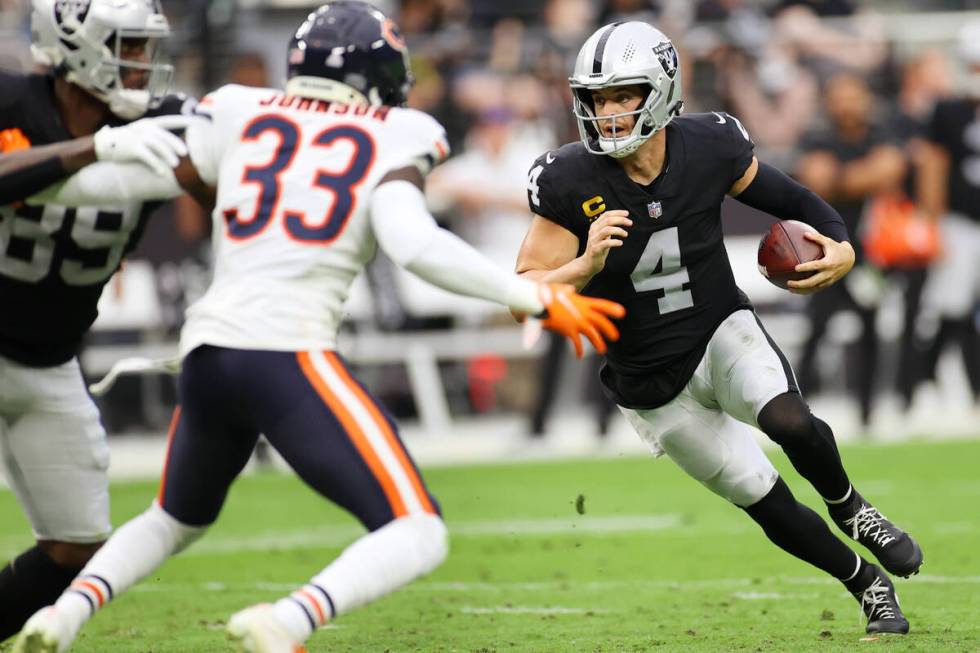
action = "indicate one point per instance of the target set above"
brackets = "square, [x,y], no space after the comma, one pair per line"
[54,260]
[672,273]
[956,127]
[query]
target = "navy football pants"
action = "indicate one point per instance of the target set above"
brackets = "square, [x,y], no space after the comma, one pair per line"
[322,421]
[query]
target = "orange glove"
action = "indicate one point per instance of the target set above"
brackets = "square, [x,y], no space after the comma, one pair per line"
[572,314]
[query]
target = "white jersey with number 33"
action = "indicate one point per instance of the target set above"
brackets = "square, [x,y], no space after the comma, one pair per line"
[291,225]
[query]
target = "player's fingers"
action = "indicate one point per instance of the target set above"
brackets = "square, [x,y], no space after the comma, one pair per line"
[812,281]
[818,237]
[614,213]
[590,332]
[606,232]
[606,244]
[174,142]
[579,352]
[613,218]
[163,150]
[174,122]
[150,159]
[607,307]
[818,264]
[605,325]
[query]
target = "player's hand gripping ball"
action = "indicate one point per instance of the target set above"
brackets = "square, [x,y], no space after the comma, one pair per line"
[784,247]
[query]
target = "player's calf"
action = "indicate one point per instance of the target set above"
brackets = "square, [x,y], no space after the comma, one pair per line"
[375,565]
[33,580]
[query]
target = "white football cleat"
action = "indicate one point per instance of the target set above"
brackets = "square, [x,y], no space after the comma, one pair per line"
[256,630]
[45,632]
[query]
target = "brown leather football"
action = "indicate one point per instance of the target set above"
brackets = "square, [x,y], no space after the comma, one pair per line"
[784,247]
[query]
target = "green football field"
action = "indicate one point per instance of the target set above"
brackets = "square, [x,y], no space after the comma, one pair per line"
[654,563]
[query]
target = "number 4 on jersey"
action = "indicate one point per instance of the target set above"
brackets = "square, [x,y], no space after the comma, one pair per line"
[659,268]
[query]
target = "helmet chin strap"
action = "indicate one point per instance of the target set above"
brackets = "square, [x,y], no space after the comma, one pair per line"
[129,104]
[321,88]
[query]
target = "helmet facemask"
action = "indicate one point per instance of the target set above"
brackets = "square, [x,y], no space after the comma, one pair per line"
[619,144]
[108,81]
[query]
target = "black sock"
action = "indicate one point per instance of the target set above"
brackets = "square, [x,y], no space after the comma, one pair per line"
[27,584]
[862,579]
[802,533]
[808,442]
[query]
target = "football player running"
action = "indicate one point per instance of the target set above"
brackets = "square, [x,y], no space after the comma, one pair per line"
[54,262]
[632,213]
[310,182]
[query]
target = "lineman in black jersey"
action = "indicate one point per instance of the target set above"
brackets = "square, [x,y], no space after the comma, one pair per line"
[632,213]
[54,262]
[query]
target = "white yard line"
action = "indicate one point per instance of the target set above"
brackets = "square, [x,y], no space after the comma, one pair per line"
[451,587]
[508,609]
[343,535]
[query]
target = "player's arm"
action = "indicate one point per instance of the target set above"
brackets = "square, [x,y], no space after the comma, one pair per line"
[131,181]
[932,179]
[548,253]
[765,188]
[409,235]
[24,173]
[881,170]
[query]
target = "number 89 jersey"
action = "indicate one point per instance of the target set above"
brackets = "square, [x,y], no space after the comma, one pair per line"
[672,273]
[54,261]
[291,221]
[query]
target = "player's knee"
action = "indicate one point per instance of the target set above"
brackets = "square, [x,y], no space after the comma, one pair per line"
[69,554]
[787,420]
[177,535]
[743,486]
[427,537]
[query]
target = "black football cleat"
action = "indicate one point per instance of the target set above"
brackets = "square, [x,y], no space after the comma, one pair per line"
[879,602]
[894,548]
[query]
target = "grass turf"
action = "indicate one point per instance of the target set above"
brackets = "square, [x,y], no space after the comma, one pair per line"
[655,563]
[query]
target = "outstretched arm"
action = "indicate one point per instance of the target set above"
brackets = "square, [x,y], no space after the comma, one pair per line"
[26,172]
[767,189]
[409,235]
[135,181]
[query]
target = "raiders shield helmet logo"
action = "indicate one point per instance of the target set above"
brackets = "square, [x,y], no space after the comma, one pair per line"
[668,58]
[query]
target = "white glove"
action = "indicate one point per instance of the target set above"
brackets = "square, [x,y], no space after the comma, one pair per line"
[147,141]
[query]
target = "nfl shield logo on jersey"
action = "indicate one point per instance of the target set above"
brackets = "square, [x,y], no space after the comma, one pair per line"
[654,209]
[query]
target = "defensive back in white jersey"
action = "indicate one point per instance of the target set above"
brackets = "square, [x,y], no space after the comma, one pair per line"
[291,230]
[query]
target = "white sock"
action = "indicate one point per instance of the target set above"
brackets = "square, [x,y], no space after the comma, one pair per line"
[373,566]
[134,551]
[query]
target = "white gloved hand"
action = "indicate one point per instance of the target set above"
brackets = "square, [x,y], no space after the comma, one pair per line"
[147,141]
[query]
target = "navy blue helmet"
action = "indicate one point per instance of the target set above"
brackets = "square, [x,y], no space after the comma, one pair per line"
[348,51]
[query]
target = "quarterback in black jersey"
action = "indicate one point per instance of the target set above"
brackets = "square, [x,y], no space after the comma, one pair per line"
[54,262]
[632,213]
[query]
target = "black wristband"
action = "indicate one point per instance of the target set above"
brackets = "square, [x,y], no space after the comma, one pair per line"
[778,195]
[18,185]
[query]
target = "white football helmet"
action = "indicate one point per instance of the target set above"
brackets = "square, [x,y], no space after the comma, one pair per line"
[617,55]
[85,38]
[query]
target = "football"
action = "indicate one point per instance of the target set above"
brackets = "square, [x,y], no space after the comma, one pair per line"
[784,247]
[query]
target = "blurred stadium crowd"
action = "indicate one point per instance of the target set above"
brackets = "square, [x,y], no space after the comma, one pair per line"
[837,92]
